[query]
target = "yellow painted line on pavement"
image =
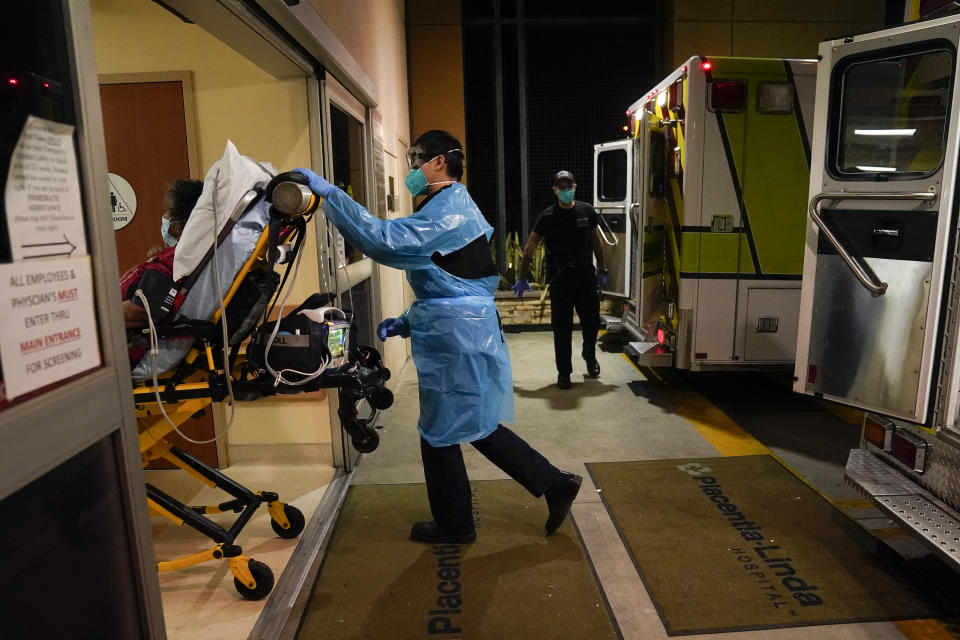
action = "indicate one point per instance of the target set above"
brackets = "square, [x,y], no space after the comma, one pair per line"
[924,630]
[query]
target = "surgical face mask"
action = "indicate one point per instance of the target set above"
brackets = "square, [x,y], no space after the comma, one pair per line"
[416,181]
[168,239]
[566,195]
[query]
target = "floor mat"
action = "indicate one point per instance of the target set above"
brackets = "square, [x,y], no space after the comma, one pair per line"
[738,543]
[514,582]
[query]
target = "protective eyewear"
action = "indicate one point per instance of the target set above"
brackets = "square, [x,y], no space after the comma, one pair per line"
[416,153]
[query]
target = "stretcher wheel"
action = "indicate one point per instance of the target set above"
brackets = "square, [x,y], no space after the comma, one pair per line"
[296,520]
[264,577]
[368,443]
[382,399]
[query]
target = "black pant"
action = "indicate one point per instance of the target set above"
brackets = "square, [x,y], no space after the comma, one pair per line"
[574,288]
[448,488]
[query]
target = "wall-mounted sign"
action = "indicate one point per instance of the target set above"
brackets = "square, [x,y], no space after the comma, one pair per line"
[49,328]
[123,201]
[42,197]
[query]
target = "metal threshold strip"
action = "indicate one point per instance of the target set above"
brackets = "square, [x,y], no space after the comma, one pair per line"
[908,505]
[650,354]
[277,620]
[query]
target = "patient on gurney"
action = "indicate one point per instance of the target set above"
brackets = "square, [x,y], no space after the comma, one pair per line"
[179,200]
[180,197]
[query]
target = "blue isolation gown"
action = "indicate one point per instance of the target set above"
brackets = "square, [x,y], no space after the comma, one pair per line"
[466,388]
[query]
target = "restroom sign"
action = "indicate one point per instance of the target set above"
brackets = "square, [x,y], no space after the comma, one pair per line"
[123,201]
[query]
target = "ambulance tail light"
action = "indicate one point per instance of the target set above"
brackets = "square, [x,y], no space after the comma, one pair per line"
[909,449]
[878,432]
[661,335]
[728,96]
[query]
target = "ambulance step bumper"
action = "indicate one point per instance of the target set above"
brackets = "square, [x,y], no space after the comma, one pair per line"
[612,324]
[907,504]
[649,354]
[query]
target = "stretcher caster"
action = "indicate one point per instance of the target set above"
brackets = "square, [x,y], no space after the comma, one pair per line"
[295,522]
[382,399]
[368,442]
[263,576]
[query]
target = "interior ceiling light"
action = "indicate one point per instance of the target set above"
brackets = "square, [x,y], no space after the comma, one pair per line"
[884,132]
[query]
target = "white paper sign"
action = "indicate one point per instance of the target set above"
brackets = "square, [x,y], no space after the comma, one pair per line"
[44,214]
[123,201]
[49,329]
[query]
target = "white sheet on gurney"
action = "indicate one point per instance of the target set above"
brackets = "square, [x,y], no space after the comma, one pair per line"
[203,299]
[227,180]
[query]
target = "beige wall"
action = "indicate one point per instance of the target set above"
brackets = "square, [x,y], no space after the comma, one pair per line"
[762,28]
[436,68]
[266,118]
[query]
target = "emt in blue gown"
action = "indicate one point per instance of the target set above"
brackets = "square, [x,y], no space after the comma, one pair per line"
[458,346]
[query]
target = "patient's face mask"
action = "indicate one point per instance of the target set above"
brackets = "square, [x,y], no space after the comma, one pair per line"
[566,195]
[168,239]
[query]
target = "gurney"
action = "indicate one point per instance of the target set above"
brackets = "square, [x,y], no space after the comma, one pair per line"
[188,366]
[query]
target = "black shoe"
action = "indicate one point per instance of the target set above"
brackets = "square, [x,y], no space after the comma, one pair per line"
[563,381]
[593,368]
[432,532]
[559,497]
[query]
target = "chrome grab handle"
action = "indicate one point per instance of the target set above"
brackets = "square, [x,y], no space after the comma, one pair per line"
[863,272]
[621,207]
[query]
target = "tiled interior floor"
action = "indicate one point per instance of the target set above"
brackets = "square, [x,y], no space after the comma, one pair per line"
[200,602]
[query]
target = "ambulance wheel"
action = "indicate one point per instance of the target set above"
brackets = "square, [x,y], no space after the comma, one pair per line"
[296,520]
[264,577]
[382,399]
[368,443]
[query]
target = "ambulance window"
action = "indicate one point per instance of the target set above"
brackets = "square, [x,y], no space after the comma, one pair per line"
[612,175]
[893,116]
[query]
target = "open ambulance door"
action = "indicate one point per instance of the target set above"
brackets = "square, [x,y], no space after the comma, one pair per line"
[613,199]
[882,216]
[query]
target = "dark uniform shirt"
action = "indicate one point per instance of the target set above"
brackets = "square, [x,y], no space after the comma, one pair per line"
[567,234]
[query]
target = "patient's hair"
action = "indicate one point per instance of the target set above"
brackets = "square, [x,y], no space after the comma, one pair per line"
[180,198]
[437,142]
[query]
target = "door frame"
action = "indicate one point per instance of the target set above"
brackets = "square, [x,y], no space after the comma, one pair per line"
[37,439]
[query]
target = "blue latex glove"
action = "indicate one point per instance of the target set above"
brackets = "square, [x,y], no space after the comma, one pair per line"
[602,279]
[318,184]
[521,286]
[389,327]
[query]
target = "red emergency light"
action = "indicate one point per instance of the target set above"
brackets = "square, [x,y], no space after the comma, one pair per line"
[706,65]
[661,335]
[13,81]
[628,112]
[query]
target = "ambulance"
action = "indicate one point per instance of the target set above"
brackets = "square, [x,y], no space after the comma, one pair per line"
[880,289]
[704,209]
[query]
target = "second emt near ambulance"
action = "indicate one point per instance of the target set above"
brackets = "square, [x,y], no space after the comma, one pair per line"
[570,229]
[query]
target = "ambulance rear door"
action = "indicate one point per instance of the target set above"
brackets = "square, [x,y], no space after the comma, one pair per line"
[881,219]
[613,198]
